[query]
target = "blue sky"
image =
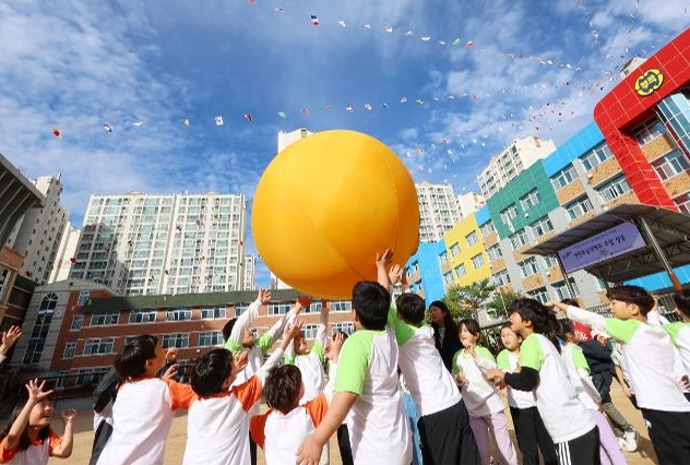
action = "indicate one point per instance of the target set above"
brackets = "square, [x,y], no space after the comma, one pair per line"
[536,67]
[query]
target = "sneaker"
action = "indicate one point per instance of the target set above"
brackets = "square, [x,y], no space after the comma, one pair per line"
[631,439]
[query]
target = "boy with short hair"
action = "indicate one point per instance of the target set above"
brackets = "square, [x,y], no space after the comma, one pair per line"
[367,382]
[680,331]
[650,363]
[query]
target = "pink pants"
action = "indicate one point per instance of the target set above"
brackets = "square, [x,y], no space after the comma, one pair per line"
[609,450]
[498,428]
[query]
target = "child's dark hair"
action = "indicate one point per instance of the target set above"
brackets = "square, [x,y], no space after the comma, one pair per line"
[682,301]
[534,311]
[508,325]
[371,302]
[633,295]
[227,329]
[211,371]
[571,302]
[24,440]
[565,326]
[282,387]
[411,308]
[471,325]
[131,361]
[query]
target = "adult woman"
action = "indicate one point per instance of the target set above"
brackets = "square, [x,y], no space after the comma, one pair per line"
[445,332]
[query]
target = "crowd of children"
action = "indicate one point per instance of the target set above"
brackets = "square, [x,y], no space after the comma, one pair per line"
[555,372]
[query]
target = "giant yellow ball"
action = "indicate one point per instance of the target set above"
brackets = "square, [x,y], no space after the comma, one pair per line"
[326,205]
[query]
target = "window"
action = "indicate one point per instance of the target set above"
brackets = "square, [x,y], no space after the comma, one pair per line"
[443,257]
[579,207]
[278,308]
[240,308]
[671,164]
[564,177]
[104,319]
[540,294]
[648,131]
[530,200]
[508,215]
[77,320]
[455,249]
[347,328]
[341,306]
[494,252]
[460,270]
[447,277]
[179,314]
[562,291]
[478,261]
[503,278]
[487,229]
[549,262]
[518,239]
[314,307]
[89,376]
[213,338]
[142,316]
[99,346]
[683,203]
[613,188]
[528,267]
[68,351]
[214,313]
[175,340]
[596,156]
[40,329]
[310,331]
[83,298]
[471,238]
[542,226]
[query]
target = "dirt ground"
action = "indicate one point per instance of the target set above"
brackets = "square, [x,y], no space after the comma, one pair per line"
[83,437]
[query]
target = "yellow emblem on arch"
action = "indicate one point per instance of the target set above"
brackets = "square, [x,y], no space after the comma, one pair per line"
[649,82]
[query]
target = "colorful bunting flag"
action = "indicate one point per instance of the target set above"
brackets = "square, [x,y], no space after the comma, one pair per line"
[248,117]
[185,122]
[107,127]
[315,21]
[342,23]
[138,124]
[282,114]
[57,133]
[219,120]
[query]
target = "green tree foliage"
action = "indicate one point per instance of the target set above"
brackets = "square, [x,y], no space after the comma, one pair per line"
[501,301]
[465,301]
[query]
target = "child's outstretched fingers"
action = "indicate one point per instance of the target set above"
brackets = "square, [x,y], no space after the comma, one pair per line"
[69,414]
[385,259]
[395,273]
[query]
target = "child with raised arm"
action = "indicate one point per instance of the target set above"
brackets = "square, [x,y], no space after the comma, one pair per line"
[680,331]
[288,413]
[310,361]
[486,409]
[543,371]
[367,382]
[218,420]
[650,364]
[145,406]
[28,438]
[444,424]
[529,427]
[9,338]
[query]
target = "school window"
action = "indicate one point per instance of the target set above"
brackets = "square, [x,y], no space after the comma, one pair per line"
[77,320]
[579,207]
[613,188]
[341,306]
[142,316]
[648,131]
[487,229]
[175,340]
[683,203]
[310,331]
[455,249]
[478,261]
[528,267]
[596,156]
[549,262]
[460,270]
[278,308]
[68,351]
[212,338]
[518,239]
[213,313]
[471,238]
[88,376]
[104,319]
[508,215]
[443,257]
[494,252]
[671,165]
[562,290]
[541,227]
[347,328]
[314,307]
[540,294]
[83,298]
[97,346]
[502,278]
[447,277]
[179,314]
[564,177]
[530,200]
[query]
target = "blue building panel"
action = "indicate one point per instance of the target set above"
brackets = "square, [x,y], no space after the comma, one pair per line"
[427,260]
[483,215]
[659,281]
[578,145]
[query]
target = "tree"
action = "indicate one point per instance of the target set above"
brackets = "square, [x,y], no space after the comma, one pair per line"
[501,301]
[465,301]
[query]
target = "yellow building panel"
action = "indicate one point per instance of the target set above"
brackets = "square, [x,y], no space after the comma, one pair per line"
[460,234]
[532,282]
[569,192]
[678,184]
[629,197]
[582,219]
[658,147]
[554,274]
[604,171]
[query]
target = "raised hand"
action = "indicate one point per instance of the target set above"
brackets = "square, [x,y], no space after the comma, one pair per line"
[336,344]
[10,336]
[293,330]
[304,301]
[385,259]
[36,392]
[395,274]
[68,415]
[170,373]
[171,354]
[264,296]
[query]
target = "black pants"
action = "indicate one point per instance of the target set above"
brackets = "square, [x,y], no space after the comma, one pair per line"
[583,450]
[252,450]
[344,445]
[446,437]
[670,435]
[530,432]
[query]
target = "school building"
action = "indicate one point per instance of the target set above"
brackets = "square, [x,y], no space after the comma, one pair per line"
[637,150]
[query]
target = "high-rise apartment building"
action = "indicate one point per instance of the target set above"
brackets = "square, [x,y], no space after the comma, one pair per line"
[249,281]
[512,161]
[65,252]
[142,244]
[438,210]
[287,138]
[469,203]
[38,233]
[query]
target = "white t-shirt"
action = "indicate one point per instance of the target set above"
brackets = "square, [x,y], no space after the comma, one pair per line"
[368,366]
[481,398]
[142,417]
[426,378]
[680,337]
[311,364]
[280,435]
[218,426]
[573,358]
[565,417]
[508,362]
[36,454]
[649,359]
